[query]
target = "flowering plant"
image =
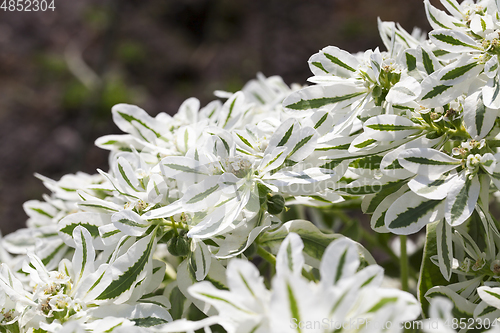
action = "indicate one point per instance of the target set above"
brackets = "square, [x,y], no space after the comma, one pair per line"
[231,217]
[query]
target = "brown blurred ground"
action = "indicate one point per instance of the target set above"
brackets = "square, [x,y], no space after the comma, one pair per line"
[154,54]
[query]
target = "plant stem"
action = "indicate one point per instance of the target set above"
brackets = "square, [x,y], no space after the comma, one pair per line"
[403,260]
[173,225]
[267,256]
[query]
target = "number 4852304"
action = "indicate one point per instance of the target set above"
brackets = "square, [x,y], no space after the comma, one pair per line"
[28,5]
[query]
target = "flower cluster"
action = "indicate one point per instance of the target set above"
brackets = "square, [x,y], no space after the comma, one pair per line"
[162,241]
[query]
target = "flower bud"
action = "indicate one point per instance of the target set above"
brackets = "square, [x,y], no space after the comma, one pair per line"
[179,245]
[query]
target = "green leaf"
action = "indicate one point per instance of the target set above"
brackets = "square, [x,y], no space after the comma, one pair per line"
[430,274]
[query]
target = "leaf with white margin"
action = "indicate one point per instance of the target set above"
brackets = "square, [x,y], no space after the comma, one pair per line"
[144,315]
[365,186]
[316,66]
[411,212]
[50,251]
[434,189]
[83,259]
[306,140]
[453,41]
[184,325]
[130,223]
[390,166]
[188,111]
[90,221]
[109,234]
[231,111]
[24,239]
[283,135]
[485,311]
[126,175]
[127,271]
[321,121]
[491,93]
[340,261]
[440,315]
[390,127]
[134,120]
[289,259]
[199,260]
[404,91]
[294,300]
[427,62]
[306,182]
[370,202]
[40,211]
[439,19]
[478,118]
[222,216]
[186,278]
[13,287]
[181,167]
[318,97]
[273,160]
[436,93]
[238,240]
[462,198]
[377,220]
[427,162]
[118,142]
[462,307]
[202,195]
[491,67]
[315,241]
[488,163]
[336,62]
[444,248]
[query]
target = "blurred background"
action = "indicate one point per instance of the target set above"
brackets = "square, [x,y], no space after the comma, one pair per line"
[61,71]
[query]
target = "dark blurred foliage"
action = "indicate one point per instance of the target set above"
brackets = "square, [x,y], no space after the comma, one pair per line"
[61,71]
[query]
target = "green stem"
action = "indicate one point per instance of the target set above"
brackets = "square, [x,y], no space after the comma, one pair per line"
[173,225]
[267,256]
[403,260]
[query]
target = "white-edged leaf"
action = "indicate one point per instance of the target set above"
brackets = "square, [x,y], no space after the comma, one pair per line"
[199,260]
[404,91]
[390,127]
[340,261]
[478,118]
[319,96]
[336,61]
[461,199]
[411,212]
[83,259]
[377,220]
[453,41]
[434,189]
[439,19]
[491,93]
[428,162]
[128,270]
[462,307]
[444,248]
[289,259]
[130,223]
[90,221]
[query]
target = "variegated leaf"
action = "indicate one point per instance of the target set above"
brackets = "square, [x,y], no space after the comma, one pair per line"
[411,212]
[461,199]
[478,118]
